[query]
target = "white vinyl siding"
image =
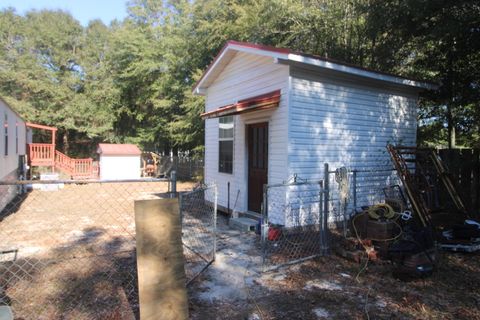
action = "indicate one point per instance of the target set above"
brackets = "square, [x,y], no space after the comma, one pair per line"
[118,167]
[246,76]
[16,128]
[9,163]
[347,123]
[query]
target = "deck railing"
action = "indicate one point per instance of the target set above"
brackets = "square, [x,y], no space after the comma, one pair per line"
[83,168]
[44,154]
[63,162]
[41,154]
[77,168]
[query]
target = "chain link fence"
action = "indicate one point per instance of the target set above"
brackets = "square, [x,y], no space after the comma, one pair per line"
[185,167]
[301,217]
[294,225]
[350,189]
[67,248]
[198,211]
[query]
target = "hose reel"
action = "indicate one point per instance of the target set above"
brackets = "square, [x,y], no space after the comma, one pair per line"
[381,211]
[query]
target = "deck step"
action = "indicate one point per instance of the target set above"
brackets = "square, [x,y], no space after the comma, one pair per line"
[243,224]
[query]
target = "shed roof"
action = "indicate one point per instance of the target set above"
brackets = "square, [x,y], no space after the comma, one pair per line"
[113,149]
[290,57]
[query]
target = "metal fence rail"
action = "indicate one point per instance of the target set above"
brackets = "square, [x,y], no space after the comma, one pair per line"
[294,225]
[198,211]
[67,248]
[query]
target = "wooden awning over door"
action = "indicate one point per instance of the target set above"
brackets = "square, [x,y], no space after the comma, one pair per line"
[265,101]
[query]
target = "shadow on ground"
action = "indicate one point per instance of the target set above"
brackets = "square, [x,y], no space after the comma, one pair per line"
[87,278]
[328,288]
[90,277]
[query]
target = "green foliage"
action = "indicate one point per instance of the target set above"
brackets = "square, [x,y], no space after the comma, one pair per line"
[437,40]
[53,73]
[131,81]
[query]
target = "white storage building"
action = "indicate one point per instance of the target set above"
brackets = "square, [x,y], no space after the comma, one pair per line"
[272,113]
[119,161]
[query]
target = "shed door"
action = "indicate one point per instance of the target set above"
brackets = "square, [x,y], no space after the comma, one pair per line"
[257,136]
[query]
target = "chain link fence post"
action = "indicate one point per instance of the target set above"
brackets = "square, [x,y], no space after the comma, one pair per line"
[173,179]
[324,228]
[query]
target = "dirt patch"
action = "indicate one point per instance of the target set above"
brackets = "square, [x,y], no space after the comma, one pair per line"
[70,252]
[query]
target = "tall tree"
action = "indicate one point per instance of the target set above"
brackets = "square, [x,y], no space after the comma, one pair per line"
[438,40]
[44,76]
[130,81]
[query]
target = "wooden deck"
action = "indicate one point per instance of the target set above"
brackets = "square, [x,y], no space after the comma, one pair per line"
[46,155]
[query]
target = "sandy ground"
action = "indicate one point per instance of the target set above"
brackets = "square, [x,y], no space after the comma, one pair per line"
[69,253]
[328,288]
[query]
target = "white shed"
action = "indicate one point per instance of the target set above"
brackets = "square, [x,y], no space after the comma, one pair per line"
[272,113]
[119,161]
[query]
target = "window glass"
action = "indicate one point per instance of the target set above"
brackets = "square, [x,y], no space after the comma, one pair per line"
[225,144]
[226,156]
[225,126]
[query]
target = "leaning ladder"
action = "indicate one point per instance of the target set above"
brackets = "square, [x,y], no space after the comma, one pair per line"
[399,156]
[418,203]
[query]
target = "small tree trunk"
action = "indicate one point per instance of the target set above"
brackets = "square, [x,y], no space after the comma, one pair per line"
[450,128]
[372,53]
[66,145]
[451,141]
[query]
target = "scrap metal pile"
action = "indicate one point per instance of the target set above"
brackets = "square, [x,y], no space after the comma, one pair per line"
[424,214]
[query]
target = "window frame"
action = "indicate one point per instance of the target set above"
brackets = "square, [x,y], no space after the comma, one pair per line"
[228,138]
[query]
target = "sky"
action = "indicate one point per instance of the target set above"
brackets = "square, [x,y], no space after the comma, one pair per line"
[82,10]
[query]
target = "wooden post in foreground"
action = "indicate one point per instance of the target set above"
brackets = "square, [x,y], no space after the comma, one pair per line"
[161,274]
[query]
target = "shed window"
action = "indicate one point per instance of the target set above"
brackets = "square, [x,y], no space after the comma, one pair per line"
[225,144]
[16,138]
[5,126]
